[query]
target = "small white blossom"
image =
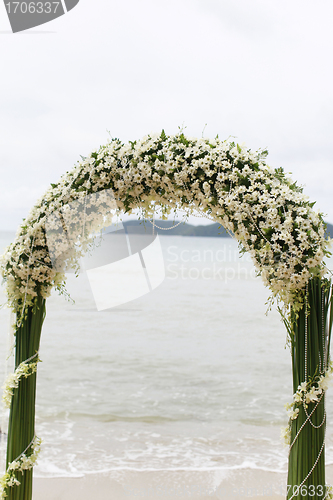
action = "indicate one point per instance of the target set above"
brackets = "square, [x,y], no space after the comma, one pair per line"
[21,464]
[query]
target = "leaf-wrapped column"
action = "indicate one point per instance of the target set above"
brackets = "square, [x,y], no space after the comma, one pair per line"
[21,428]
[310,339]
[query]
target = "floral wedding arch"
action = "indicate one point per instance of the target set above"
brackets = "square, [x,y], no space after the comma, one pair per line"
[266,211]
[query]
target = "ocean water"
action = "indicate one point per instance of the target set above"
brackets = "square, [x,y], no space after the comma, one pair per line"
[191,376]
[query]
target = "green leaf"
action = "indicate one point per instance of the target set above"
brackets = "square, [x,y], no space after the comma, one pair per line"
[163,135]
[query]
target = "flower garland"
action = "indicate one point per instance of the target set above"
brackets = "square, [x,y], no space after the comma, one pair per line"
[21,464]
[267,212]
[307,392]
[24,369]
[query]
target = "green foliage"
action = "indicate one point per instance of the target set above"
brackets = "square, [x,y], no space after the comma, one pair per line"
[163,135]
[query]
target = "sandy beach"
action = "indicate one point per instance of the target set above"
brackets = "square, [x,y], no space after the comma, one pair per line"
[166,485]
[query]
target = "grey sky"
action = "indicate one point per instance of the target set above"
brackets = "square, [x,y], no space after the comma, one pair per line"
[258,70]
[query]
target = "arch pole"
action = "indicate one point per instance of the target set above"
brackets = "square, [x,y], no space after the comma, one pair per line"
[310,339]
[21,426]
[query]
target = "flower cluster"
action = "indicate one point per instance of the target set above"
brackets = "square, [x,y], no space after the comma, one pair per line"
[307,392]
[22,463]
[286,435]
[266,211]
[310,392]
[24,369]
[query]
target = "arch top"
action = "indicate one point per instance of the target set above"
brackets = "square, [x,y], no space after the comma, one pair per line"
[268,213]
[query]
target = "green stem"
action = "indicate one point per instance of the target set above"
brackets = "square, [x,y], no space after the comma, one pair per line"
[21,427]
[306,468]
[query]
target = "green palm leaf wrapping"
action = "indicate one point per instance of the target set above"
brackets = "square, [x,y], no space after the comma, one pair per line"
[310,341]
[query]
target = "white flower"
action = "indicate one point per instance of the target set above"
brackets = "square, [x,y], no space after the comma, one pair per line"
[293,414]
[312,395]
[13,482]
[302,387]
[325,380]
[286,435]
[298,397]
[26,462]
[14,465]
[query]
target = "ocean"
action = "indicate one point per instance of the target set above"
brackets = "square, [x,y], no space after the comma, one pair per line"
[191,376]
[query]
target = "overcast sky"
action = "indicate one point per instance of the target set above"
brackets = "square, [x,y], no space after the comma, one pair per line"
[255,69]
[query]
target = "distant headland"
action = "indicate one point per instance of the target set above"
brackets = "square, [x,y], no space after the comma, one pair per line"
[184,229]
[174,228]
